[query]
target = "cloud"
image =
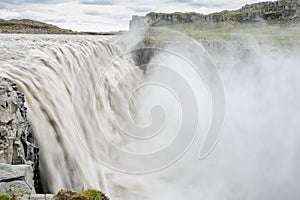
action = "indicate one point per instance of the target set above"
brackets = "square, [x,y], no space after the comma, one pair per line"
[18,2]
[178,1]
[141,9]
[99,22]
[12,1]
[2,6]
[98,2]
[220,4]
[54,20]
[93,13]
[208,5]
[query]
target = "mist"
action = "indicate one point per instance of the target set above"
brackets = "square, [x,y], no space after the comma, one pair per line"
[256,156]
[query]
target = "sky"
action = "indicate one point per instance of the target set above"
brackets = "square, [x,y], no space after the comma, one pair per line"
[105,15]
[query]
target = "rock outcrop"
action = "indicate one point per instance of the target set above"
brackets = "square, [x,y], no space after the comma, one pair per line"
[18,152]
[287,11]
[30,26]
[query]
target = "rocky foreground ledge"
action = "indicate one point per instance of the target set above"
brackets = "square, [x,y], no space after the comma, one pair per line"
[19,159]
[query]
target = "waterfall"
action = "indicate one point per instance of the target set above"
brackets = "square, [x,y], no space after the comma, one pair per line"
[102,123]
[69,101]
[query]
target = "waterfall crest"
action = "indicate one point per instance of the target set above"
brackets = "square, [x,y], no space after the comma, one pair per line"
[68,83]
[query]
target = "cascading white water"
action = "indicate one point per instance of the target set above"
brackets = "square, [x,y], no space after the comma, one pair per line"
[69,102]
[70,81]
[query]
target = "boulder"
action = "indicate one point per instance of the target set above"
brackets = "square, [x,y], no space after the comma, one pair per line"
[19,177]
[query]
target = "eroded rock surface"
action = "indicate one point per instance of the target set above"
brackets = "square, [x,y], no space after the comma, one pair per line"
[18,153]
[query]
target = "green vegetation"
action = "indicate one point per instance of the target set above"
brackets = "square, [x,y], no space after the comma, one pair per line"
[18,192]
[92,195]
[260,32]
[256,33]
[82,195]
[271,24]
[4,196]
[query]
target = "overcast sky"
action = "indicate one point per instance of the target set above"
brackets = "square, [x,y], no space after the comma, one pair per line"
[104,15]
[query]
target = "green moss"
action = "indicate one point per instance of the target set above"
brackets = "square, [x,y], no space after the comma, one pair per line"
[82,195]
[18,192]
[4,196]
[92,195]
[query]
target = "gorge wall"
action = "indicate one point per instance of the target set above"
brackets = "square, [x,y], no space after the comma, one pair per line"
[287,11]
[18,154]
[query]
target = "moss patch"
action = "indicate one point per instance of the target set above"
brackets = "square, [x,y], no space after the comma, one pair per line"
[92,194]
[82,195]
[4,196]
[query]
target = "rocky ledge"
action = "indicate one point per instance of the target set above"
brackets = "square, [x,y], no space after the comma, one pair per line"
[285,11]
[19,159]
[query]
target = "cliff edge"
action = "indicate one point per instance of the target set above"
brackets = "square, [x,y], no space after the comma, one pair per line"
[281,11]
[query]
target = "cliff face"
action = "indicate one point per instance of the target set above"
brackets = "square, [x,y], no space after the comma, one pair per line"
[18,153]
[282,10]
[16,141]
